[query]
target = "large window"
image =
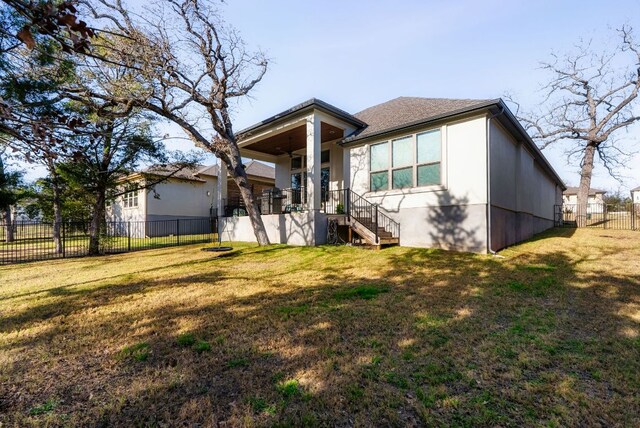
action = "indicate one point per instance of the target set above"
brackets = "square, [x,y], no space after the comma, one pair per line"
[411,161]
[130,199]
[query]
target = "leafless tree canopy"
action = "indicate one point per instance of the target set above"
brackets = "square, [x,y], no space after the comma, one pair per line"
[589,97]
[190,67]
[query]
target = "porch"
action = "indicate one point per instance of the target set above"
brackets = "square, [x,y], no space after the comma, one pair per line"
[288,219]
[312,179]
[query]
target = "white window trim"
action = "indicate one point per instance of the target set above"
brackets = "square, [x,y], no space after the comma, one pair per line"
[414,189]
[129,196]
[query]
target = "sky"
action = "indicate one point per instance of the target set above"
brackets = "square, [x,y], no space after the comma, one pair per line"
[355,54]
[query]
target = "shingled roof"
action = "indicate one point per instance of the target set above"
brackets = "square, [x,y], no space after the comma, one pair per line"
[253,168]
[403,112]
[574,191]
[170,170]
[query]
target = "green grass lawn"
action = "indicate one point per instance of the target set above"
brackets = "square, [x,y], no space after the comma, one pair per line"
[548,334]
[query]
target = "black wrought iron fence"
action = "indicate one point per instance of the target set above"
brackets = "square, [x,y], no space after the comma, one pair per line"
[31,241]
[606,216]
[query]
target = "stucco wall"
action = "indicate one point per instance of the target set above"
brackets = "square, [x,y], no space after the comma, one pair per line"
[523,195]
[306,228]
[116,212]
[452,215]
[181,198]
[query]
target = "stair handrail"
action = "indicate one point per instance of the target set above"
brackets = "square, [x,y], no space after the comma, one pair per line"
[356,202]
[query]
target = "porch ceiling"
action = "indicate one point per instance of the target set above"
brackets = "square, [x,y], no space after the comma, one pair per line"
[292,140]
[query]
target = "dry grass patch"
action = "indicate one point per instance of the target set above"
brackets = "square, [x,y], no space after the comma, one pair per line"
[547,335]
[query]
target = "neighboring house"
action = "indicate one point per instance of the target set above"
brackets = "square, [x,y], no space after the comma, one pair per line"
[190,193]
[595,201]
[635,195]
[456,174]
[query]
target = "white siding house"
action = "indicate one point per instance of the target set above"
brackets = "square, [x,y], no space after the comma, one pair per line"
[188,194]
[635,195]
[455,174]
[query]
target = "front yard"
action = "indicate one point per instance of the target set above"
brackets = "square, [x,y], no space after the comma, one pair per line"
[547,335]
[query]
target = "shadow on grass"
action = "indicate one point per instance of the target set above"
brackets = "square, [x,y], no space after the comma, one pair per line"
[427,338]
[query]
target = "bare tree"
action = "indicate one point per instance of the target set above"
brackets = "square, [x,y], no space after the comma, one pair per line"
[589,98]
[191,67]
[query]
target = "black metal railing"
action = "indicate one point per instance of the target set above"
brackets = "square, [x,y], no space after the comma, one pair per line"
[341,201]
[606,216]
[32,241]
[281,201]
[370,215]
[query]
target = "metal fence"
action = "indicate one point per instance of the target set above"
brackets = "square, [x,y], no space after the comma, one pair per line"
[31,241]
[606,216]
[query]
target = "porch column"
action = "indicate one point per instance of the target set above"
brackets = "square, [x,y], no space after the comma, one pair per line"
[313,162]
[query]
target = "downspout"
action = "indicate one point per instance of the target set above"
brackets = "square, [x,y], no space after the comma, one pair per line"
[489,246]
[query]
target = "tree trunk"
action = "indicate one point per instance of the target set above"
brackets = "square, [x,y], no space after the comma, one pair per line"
[97,219]
[57,216]
[585,184]
[8,224]
[240,177]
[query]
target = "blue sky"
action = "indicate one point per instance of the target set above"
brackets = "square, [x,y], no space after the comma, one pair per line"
[355,54]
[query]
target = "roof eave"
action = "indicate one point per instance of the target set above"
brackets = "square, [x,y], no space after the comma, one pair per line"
[354,138]
[311,104]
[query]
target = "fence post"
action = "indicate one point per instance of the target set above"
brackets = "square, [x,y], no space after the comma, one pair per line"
[64,240]
[178,230]
[129,236]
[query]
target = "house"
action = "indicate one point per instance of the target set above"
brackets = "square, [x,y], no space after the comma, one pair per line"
[189,193]
[595,201]
[449,173]
[635,195]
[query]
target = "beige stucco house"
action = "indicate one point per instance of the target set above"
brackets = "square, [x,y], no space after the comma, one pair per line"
[456,174]
[190,193]
[595,201]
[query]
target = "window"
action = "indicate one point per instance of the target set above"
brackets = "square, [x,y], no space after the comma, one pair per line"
[411,161]
[131,199]
[325,156]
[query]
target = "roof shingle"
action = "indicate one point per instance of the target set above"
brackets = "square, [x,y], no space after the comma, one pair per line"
[574,191]
[404,111]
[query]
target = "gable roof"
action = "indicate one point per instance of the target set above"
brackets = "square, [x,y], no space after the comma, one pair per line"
[404,112]
[574,191]
[637,189]
[310,104]
[189,173]
[253,168]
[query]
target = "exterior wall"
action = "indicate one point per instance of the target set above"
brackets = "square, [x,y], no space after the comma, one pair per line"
[181,199]
[635,196]
[452,215]
[306,228]
[117,212]
[571,202]
[335,164]
[522,194]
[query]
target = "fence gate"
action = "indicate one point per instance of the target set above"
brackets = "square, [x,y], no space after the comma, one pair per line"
[605,216]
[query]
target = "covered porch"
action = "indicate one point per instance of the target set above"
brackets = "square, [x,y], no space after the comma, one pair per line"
[312,179]
[310,166]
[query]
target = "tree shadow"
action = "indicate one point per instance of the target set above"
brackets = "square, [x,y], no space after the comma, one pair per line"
[421,337]
[450,228]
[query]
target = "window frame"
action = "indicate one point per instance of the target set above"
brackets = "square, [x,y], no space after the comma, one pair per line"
[130,199]
[414,166]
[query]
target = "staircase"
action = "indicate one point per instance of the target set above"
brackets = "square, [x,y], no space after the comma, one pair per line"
[366,219]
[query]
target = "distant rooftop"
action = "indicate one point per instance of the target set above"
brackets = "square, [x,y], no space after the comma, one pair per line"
[574,191]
